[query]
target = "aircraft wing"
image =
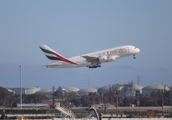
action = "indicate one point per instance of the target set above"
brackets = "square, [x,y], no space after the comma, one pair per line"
[92,60]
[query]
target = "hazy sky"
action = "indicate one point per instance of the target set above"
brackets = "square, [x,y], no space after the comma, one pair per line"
[75,27]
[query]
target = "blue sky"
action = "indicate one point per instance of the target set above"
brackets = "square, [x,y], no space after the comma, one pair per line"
[78,27]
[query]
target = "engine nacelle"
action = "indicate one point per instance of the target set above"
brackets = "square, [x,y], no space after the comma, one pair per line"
[111,59]
[103,59]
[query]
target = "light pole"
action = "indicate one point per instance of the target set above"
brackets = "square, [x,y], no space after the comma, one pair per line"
[162,94]
[117,92]
[20,87]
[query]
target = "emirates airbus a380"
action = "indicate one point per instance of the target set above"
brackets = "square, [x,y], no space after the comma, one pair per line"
[91,60]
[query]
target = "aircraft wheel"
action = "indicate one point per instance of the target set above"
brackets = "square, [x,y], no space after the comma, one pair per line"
[134,57]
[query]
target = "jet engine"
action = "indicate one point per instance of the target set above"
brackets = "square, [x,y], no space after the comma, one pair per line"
[111,59]
[103,59]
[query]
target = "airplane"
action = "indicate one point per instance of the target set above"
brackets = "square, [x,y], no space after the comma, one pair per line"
[90,60]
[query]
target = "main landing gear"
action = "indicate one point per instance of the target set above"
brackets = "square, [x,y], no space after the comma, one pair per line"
[95,66]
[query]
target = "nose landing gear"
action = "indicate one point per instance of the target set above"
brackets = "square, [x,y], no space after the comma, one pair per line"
[134,57]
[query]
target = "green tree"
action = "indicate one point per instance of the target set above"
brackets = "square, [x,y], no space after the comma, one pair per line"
[138,94]
[76,101]
[145,100]
[34,98]
[7,98]
[58,94]
[127,101]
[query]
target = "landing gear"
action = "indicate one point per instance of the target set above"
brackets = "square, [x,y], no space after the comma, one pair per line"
[95,66]
[134,57]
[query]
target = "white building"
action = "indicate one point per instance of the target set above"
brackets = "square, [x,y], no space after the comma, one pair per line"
[153,88]
[86,91]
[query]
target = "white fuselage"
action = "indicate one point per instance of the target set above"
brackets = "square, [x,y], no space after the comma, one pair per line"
[107,55]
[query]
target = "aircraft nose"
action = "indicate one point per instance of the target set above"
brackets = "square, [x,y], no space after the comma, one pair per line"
[138,50]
